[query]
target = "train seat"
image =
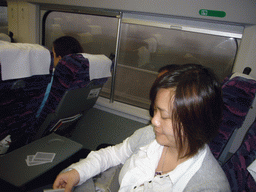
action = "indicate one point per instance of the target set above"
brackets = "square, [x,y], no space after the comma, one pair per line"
[21,92]
[73,72]
[236,168]
[234,147]
[238,95]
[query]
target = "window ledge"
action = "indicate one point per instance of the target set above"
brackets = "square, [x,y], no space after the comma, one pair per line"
[123,110]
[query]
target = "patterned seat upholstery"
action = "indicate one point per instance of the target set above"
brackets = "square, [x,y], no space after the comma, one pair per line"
[238,96]
[72,72]
[236,167]
[19,101]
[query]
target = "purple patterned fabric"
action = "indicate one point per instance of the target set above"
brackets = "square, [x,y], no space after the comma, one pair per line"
[18,106]
[72,72]
[236,167]
[238,95]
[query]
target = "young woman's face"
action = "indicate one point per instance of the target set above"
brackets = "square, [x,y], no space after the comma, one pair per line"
[162,118]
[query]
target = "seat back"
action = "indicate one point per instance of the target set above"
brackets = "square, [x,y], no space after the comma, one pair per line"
[74,104]
[236,167]
[238,96]
[19,101]
[20,98]
[71,73]
[78,100]
[235,146]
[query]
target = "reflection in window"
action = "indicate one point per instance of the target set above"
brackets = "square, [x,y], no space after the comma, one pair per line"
[151,48]
[145,49]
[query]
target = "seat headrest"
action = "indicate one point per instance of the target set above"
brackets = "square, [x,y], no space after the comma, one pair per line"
[19,60]
[236,74]
[99,66]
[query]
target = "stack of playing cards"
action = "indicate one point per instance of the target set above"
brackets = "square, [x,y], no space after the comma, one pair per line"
[39,158]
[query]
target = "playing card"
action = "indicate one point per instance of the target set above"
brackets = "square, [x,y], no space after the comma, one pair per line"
[42,156]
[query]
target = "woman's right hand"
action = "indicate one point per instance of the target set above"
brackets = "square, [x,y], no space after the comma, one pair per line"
[67,180]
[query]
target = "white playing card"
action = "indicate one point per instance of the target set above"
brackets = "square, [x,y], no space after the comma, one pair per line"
[42,156]
[39,158]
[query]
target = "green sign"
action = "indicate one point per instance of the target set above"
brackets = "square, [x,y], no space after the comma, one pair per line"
[212,13]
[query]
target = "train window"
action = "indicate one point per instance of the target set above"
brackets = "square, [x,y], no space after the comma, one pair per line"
[97,34]
[149,43]
[3,20]
[144,48]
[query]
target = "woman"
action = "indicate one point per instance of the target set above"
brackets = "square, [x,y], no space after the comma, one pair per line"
[171,155]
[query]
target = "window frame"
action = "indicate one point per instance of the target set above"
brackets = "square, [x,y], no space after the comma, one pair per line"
[127,110]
